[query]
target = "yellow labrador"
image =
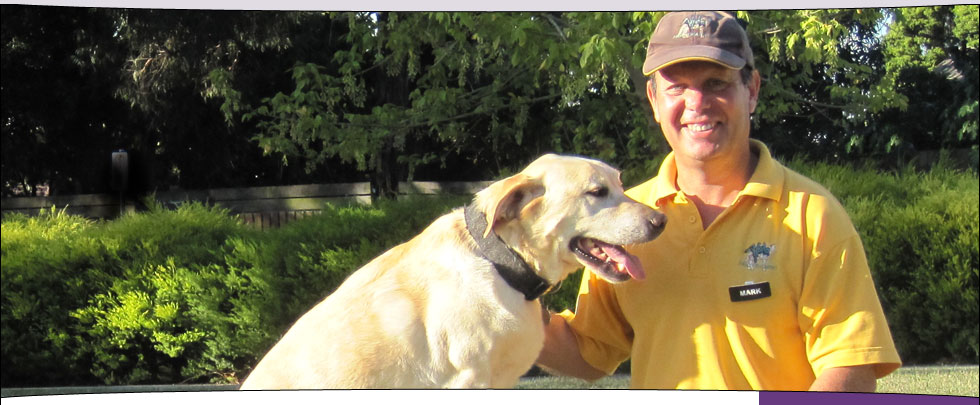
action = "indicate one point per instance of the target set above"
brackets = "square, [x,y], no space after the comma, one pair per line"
[456,306]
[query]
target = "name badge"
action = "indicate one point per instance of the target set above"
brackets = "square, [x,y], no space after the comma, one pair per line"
[748,292]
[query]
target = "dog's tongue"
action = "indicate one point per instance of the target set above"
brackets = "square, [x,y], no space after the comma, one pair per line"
[624,261]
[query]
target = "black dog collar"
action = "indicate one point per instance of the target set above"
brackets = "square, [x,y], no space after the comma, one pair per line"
[508,263]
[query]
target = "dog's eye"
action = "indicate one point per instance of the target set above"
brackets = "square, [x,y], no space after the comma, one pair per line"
[599,192]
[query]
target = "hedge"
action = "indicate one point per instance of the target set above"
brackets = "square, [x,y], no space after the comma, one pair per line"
[189,295]
[193,295]
[920,232]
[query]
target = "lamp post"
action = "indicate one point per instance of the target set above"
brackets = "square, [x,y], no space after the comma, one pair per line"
[119,179]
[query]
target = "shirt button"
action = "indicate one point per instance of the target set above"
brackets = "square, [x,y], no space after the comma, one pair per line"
[692,219]
[702,249]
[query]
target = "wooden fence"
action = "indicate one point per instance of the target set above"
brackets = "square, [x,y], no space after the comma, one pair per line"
[262,207]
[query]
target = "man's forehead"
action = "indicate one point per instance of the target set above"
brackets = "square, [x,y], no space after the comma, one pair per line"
[700,68]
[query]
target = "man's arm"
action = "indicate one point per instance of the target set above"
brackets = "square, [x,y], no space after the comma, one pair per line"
[560,354]
[847,379]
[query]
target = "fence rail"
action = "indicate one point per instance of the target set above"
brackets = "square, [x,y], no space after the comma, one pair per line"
[88,205]
[261,207]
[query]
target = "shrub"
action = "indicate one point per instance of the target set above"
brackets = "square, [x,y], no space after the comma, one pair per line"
[205,306]
[924,259]
[192,295]
[147,324]
[920,232]
[51,266]
[298,265]
[189,295]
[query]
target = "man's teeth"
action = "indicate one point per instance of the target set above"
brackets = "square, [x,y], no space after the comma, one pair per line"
[700,127]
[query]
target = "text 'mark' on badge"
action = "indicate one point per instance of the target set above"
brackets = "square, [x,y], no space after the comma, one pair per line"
[748,292]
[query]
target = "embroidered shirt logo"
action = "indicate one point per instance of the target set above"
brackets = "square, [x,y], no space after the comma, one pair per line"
[692,27]
[757,257]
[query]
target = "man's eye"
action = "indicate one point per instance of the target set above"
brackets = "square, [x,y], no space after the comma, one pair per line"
[599,192]
[716,85]
[674,90]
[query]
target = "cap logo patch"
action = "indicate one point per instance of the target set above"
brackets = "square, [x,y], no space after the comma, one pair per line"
[692,27]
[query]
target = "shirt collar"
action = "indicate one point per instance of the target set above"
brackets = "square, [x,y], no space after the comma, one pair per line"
[766,181]
[769,176]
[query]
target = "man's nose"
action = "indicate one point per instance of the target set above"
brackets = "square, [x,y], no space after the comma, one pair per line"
[695,100]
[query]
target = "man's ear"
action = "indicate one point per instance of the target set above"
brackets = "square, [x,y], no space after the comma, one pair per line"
[504,200]
[651,96]
[754,85]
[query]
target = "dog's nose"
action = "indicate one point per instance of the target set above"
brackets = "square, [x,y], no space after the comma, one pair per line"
[656,223]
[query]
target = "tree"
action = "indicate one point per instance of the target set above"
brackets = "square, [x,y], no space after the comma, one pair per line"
[434,87]
[79,83]
[180,71]
[240,98]
[932,61]
[57,117]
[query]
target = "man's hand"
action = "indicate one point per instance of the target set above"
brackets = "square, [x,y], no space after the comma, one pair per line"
[560,354]
[847,379]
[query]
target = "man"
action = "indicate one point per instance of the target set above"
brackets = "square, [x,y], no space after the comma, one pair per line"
[759,281]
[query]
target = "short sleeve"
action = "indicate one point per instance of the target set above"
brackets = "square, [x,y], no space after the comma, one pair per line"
[840,314]
[603,334]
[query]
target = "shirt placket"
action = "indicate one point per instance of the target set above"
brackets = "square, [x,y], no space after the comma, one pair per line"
[696,235]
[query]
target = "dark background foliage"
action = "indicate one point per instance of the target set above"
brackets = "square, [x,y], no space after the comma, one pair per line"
[204,99]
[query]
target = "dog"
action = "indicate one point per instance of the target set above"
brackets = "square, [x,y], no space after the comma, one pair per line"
[457,305]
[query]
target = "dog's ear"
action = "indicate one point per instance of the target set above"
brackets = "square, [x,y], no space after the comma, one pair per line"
[504,200]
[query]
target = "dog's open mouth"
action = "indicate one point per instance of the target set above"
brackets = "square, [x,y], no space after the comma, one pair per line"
[608,261]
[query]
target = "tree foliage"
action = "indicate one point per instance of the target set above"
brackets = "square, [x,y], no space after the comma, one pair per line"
[80,83]
[932,60]
[489,90]
[237,98]
[54,115]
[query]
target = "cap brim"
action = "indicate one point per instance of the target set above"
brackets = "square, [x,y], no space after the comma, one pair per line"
[688,53]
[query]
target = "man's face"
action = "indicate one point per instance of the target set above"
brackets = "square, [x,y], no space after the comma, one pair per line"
[703,109]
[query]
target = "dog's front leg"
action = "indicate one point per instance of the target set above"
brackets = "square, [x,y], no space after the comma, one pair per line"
[478,378]
[470,365]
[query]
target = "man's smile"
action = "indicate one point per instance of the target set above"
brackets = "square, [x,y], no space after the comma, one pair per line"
[701,130]
[701,127]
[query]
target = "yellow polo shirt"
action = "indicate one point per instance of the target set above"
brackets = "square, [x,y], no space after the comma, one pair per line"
[775,291]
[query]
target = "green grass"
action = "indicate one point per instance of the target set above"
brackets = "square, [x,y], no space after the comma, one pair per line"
[618,381]
[931,380]
[934,380]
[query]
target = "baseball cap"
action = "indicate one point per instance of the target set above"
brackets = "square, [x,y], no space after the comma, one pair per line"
[698,35]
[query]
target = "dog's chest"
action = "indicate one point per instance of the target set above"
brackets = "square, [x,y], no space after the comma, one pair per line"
[499,346]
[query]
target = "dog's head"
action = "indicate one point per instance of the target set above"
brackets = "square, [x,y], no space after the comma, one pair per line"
[564,212]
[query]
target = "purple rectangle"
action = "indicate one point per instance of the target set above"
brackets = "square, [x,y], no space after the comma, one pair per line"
[844,398]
